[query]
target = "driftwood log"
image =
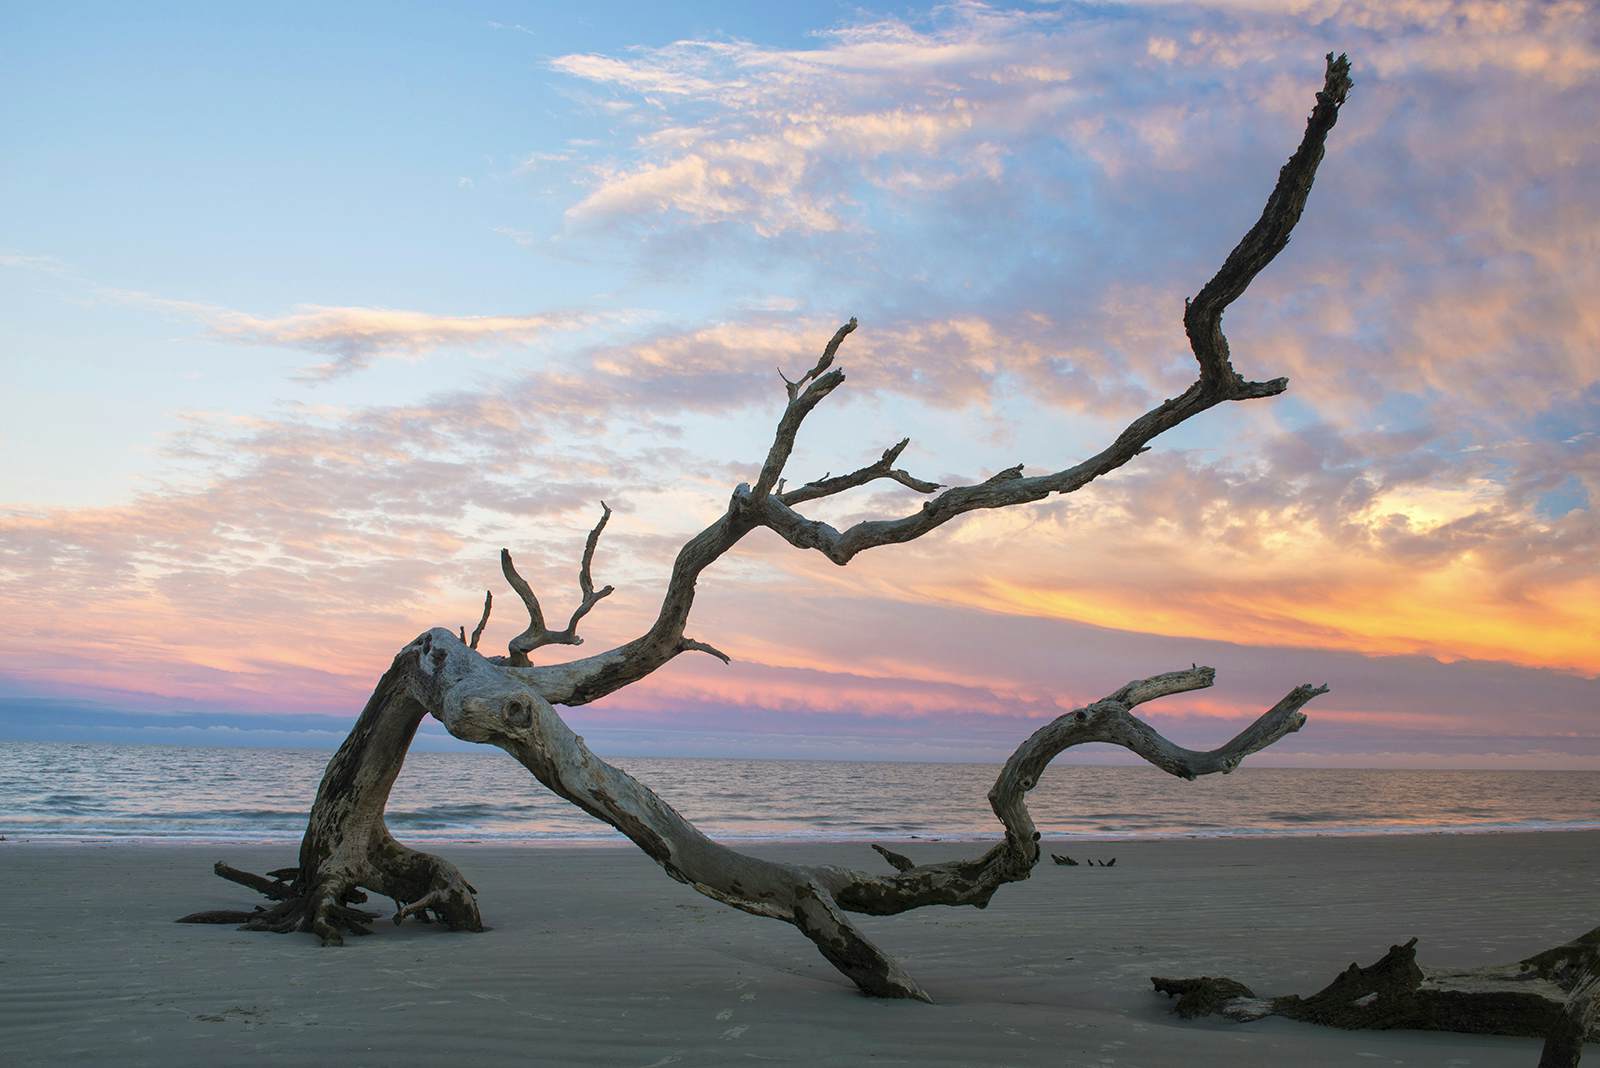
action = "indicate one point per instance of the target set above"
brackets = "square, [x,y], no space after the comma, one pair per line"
[511,702]
[1550,995]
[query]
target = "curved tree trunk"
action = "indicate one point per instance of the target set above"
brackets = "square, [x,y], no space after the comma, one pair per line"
[347,846]
[509,701]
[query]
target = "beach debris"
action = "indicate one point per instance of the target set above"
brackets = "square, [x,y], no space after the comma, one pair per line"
[510,702]
[1553,995]
[1089,861]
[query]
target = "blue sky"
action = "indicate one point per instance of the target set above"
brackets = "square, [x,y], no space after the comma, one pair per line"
[308,313]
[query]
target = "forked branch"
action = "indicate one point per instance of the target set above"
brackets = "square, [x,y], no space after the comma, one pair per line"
[537,633]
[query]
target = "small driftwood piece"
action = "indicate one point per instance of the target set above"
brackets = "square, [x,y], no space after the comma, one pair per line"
[1059,859]
[1549,995]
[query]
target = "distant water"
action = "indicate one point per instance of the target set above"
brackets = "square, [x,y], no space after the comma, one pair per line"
[69,791]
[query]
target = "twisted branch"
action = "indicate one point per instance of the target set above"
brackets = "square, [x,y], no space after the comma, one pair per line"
[974,882]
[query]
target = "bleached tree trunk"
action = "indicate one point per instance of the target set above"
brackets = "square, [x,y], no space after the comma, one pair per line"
[511,702]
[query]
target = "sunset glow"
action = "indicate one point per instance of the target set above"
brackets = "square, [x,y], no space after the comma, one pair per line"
[300,334]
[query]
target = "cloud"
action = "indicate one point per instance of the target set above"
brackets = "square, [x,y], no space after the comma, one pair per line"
[1334,541]
[1016,204]
[355,337]
[770,138]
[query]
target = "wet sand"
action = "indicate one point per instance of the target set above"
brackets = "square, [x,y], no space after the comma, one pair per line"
[596,957]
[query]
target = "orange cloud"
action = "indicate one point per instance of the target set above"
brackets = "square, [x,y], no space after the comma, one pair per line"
[1452,614]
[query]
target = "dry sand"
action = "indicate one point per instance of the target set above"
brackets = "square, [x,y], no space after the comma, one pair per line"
[595,957]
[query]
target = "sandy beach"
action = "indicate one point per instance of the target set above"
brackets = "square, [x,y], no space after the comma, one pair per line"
[595,957]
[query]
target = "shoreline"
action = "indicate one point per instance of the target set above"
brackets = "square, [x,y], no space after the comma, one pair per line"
[616,840]
[595,956]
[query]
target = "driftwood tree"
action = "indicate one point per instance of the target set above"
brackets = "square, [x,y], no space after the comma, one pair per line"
[511,702]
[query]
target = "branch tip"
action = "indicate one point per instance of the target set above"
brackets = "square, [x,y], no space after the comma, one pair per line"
[690,645]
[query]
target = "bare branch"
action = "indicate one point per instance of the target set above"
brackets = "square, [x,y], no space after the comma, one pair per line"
[824,361]
[804,395]
[538,634]
[1203,321]
[591,596]
[477,632]
[973,882]
[881,468]
[586,680]
[686,645]
[1202,317]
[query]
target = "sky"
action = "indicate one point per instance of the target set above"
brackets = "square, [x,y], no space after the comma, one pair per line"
[309,312]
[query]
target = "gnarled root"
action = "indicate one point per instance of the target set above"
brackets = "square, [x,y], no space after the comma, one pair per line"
[422,885]
[323,909]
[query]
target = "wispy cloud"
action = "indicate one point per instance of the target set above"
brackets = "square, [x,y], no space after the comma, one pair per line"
[355,337]
[769,138]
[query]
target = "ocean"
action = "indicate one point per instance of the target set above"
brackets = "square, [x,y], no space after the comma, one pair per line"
[69,792]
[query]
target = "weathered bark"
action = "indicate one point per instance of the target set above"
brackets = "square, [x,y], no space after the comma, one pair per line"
[1550,994]
[347,846]
[510,703]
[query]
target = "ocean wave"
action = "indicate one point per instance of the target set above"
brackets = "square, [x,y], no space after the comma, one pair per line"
[78,792]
